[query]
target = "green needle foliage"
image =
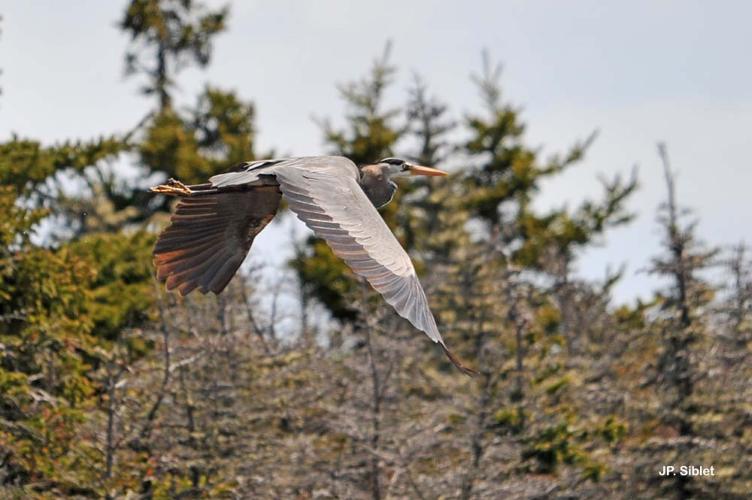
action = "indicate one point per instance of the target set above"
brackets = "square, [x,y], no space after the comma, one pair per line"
[61,307]
[167,36]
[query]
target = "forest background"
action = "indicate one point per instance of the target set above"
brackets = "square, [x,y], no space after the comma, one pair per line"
[610,337]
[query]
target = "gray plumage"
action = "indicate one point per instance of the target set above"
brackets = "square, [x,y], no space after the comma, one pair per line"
[214,226]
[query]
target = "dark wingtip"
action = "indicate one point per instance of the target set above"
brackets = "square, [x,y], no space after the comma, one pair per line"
[456,362]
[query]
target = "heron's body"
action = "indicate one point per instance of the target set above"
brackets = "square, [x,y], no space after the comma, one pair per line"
[215,223]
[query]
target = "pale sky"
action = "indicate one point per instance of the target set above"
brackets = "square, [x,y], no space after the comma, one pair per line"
[639,72]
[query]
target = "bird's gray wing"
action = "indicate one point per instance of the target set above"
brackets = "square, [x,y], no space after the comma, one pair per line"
[325,194]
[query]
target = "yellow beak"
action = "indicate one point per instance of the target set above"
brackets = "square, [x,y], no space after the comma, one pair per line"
[421,170]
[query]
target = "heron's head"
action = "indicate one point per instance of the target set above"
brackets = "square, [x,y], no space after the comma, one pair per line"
[397,167]
[375,179]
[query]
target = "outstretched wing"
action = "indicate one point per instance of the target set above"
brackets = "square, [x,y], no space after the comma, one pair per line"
[210,236]
[325,194]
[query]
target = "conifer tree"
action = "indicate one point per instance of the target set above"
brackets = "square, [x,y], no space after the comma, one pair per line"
[167,36]
[737,304]
[518,249]
[62,308]
[683,328]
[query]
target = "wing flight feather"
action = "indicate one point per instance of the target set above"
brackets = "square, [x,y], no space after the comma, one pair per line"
[325,194]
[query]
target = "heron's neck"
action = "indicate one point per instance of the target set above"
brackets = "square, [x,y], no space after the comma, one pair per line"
[378,188]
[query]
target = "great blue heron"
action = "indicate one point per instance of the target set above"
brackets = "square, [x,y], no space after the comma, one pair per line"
[215,223]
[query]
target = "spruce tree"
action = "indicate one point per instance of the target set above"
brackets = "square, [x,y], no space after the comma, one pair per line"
[167,36]
[683,327]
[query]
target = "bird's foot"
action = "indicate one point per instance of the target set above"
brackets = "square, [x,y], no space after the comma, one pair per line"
[172,187]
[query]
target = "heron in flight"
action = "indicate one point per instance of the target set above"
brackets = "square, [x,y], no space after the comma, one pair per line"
[215,223]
